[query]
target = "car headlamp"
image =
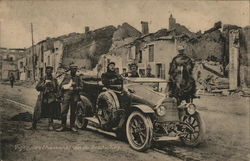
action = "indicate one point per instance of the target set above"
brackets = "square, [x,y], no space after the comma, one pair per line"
[191,108]
[161,110]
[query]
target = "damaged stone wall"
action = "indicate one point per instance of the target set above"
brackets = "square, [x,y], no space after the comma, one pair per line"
[87,51]
[208,46]
[245,57]
[124,31]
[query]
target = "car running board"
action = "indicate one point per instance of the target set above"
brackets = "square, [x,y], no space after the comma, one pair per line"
[166,138]
[92,119]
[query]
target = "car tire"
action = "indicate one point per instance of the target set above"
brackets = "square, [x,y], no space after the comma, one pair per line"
[139,131]
[199,127]
[81,123]
[105,105]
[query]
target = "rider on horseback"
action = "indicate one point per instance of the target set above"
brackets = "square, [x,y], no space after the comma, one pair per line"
[181,83]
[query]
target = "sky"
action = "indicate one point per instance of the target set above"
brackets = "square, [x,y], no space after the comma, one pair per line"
[53,18]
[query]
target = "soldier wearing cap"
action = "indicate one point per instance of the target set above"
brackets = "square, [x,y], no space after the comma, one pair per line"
[47,105]
[111,77]
[148,72]
[133,71]
[69,90]
[181,60]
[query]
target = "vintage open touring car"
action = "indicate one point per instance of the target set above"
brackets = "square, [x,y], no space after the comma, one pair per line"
[138,111]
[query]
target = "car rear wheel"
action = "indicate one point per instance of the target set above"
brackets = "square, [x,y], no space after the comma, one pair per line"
[139,130]
[81,122]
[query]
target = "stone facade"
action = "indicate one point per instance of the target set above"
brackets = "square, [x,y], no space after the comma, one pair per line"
[155,50]
[8,62]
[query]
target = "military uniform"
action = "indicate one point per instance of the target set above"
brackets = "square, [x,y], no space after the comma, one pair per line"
[181,68]
[133,73]
[47,105]
[12,80]
[111,78]
[69,89]
[149,75]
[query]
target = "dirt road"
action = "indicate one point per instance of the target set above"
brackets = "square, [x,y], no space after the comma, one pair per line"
[42,145]
[226,118]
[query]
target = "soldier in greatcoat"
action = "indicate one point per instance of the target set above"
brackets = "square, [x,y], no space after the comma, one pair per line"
[47,105]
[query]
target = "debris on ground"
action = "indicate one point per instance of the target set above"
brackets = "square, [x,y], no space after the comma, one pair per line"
[24,116]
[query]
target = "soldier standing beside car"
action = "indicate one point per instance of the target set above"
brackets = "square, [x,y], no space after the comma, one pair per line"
[47,105]
[69,89]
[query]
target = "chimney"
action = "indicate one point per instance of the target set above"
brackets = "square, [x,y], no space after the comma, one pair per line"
[144,26]
[86,29]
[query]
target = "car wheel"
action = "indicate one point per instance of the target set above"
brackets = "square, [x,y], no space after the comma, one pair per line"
[105,105]
[139,130]
[81,123]
[196,135]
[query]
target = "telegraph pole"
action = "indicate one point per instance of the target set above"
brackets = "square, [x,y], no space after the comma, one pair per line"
[33,54]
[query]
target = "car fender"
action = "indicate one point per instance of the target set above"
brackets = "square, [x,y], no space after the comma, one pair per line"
[85,100]
[143,108]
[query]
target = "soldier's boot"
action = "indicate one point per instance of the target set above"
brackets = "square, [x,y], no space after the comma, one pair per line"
[72,123]
[63,126]
[50,128]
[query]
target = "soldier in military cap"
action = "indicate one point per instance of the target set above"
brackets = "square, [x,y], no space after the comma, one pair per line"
[111,77]
[148,72]
[69,90]
[181,84]
[133,70]
[47,105]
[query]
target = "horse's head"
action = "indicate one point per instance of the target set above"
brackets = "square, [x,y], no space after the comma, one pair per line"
[181,77]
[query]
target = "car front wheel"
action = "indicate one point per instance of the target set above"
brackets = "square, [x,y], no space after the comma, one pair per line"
[194,135]
[139,130]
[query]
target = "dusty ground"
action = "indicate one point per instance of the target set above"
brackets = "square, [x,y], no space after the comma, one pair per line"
[227,130]
[227,138]
[42,145]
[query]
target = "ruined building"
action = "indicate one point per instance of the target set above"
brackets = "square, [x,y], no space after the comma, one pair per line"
[86,52]
[179,29]
[9,63]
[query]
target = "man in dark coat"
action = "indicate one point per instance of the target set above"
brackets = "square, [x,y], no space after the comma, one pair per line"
[133,71]
[69,89]
[148,73]
[111,77]
[181,83]
[12,80]
[47,105]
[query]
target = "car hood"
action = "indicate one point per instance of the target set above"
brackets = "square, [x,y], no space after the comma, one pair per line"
[144,94]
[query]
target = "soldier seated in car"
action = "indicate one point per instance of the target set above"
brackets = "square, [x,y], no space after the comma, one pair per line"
[148,73]
[133,71]
[111,77]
